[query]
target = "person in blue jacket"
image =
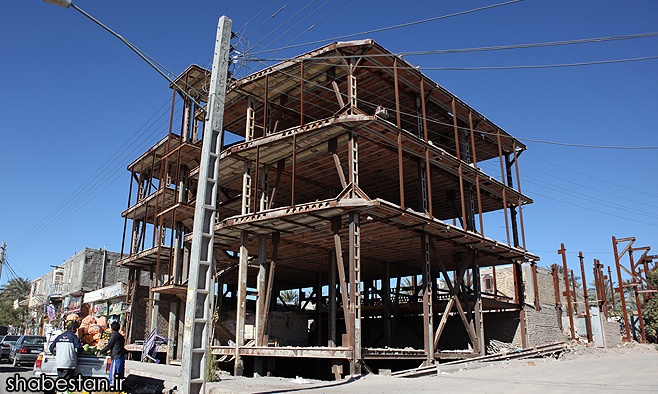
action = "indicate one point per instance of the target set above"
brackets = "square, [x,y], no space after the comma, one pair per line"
[66,348]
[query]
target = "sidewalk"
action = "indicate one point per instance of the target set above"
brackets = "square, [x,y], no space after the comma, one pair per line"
[147,378]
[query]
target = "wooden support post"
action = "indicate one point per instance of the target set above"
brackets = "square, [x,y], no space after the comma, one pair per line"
[318,305]
[172,331]
[428,310]
[478,310]
[332,299]
[262,289]
[533,267]
[241,312]
[556,291]
[335,226]
[276,237]
[519,299]
[355,291]
[386,295]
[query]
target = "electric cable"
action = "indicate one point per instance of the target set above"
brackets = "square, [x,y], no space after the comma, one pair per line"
[268,20]
[402,25]
[93,179]
[315,24]
[85,196]
[497,47]
[285,22]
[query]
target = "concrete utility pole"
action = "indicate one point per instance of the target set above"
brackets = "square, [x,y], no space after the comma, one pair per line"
[201,285]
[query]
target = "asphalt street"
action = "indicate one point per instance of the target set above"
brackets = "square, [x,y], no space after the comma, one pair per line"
[8,371]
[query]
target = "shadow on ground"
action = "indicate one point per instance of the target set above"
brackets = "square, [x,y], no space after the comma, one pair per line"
[141,385]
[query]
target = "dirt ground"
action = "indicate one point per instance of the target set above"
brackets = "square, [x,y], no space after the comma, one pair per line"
[630,368]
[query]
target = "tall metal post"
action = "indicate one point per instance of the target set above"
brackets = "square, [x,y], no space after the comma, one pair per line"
[200,289]
[588,317]
[567,292]
[637,281]
[620,289]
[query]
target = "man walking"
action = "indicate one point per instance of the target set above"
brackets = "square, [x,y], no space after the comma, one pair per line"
[118,353]
[66,348]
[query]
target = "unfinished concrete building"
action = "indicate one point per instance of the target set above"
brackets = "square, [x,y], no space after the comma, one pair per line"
[356,184]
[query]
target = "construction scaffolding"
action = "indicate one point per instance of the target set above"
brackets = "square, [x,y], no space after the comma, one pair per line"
[354,183]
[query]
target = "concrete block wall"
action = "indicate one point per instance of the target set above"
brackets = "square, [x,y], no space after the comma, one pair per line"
[164,305]
[611,333]
[140,317]
[83,272]
[287,328]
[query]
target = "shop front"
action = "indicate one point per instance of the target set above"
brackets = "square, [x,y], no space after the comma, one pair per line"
[109,302]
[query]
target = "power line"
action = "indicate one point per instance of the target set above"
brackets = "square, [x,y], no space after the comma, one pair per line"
[582,196]
[590,176]
[256,16]
[541,66]
[433,19]
[315,24]
[88,191]
[267,20]
[512,67]
[580,184]
[288,20]
[648,147]
[596,210]
[504,47]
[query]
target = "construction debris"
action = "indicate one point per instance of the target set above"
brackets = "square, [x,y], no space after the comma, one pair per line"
[553,350]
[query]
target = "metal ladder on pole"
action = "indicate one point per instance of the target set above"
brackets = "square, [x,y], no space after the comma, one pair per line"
[201,285]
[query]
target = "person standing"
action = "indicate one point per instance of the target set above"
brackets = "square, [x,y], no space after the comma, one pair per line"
[66,347]
[118,353]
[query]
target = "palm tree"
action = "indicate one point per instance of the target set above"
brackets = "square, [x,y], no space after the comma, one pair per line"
[288,296]
[16,289]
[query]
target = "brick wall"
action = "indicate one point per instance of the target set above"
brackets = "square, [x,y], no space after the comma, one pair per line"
[542,326]
[503,326]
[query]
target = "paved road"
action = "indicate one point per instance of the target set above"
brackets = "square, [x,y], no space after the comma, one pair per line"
[7,371]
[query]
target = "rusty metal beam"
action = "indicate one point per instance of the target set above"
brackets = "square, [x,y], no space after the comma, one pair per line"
[588,316]
[563,252]
[620,288]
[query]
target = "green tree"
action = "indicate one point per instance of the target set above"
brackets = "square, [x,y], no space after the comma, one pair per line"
[288,296]
[16,289]
[650,312]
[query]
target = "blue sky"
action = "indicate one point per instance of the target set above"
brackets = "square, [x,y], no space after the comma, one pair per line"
[77,106]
